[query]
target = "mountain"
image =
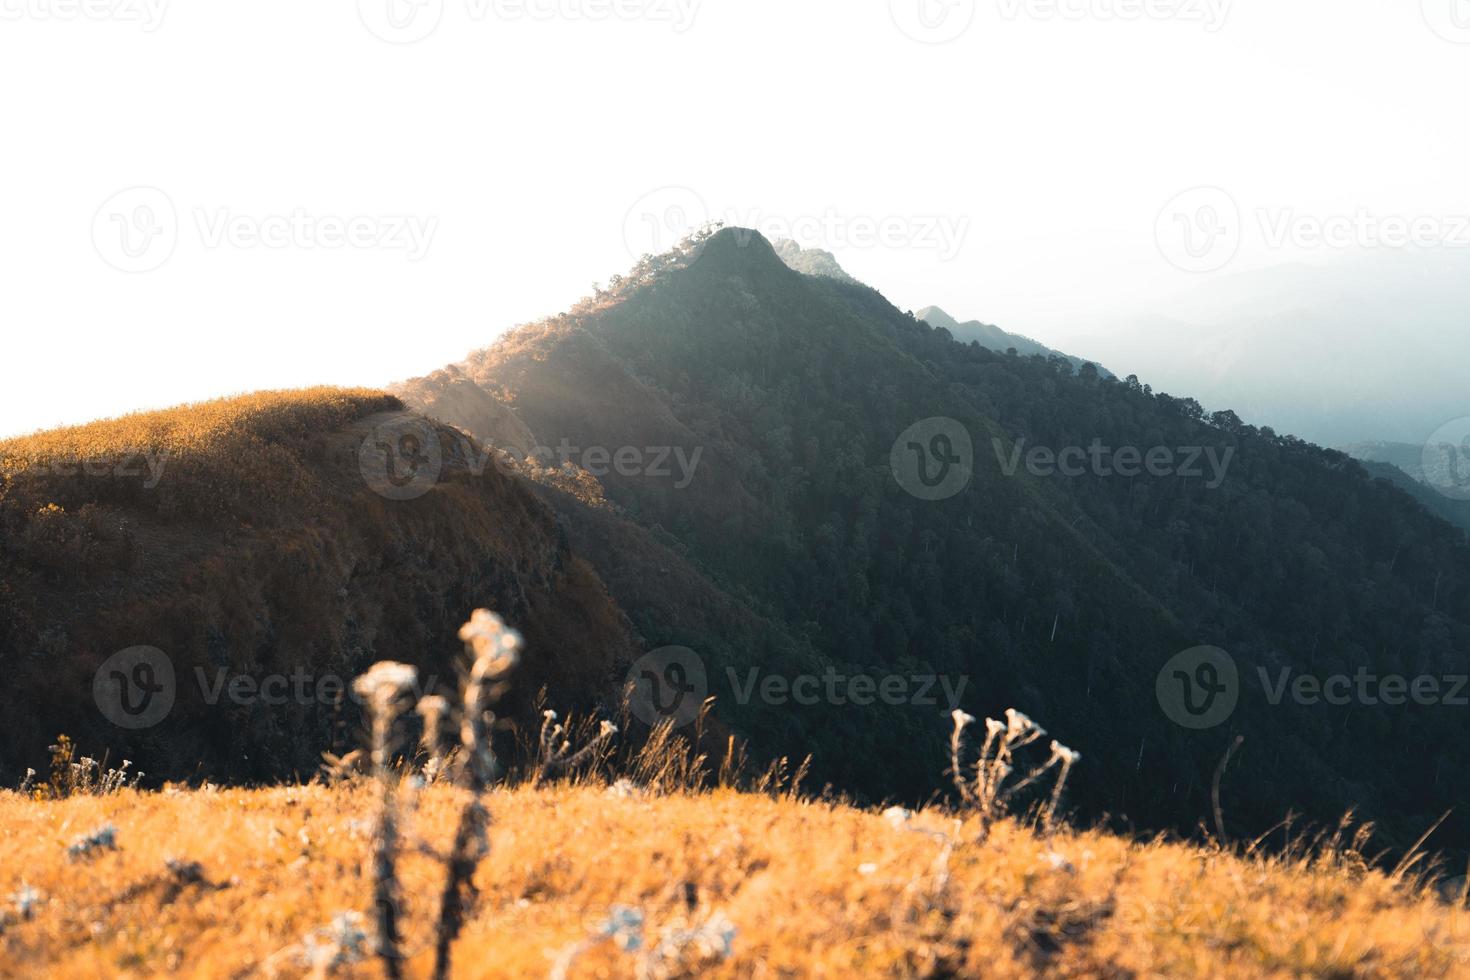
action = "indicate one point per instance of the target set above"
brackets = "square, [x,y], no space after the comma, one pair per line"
[816,262]
[1403,465]
[802,526]
[994,338]
[810,261]
[249,542]
[454,399]
[848,520]
[1367,348]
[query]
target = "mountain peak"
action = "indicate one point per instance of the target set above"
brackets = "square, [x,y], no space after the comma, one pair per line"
[738,250]
[936,317]
[810,261]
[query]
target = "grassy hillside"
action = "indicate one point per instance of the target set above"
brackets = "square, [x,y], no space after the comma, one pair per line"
[244,541]
[796,887]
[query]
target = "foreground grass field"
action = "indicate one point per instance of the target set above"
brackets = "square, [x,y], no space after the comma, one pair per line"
[592,881]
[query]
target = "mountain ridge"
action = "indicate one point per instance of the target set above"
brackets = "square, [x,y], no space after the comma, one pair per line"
[795,387]
[994,338]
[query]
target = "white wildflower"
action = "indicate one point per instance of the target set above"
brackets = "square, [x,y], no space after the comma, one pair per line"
[624,789]
[1065,754]
[1018,724]
[385,680]
[496,647]
[897,816]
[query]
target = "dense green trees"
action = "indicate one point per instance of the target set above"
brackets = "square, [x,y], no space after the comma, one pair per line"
[1062,596]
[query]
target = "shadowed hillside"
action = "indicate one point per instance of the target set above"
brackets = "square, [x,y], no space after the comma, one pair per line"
[254,551]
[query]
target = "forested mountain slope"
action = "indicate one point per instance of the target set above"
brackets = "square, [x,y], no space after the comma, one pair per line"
[1064,596]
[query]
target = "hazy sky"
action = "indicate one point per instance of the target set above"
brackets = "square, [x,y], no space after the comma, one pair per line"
[202,198]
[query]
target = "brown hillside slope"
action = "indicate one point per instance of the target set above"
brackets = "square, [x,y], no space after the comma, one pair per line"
[259,552]
[451,397]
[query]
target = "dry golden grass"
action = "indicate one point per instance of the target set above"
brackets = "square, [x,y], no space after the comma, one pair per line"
[234,457]
[812,888]
[198,426]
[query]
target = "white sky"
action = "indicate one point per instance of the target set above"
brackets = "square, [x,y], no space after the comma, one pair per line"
[522,143]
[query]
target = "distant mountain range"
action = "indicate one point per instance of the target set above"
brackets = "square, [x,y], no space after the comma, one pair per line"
[1368,348]
[1403,465]
[816,262]
[996,339]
